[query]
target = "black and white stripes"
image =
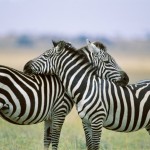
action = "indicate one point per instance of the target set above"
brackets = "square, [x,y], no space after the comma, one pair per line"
[97,101]
[30,99]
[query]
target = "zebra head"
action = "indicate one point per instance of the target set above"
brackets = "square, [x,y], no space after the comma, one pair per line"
[106,64]
[45,63]
[39,65]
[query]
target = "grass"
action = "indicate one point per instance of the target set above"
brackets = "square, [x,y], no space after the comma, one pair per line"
[14,137]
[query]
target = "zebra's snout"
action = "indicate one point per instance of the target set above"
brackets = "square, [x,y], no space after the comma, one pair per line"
[124,80]
[27,68]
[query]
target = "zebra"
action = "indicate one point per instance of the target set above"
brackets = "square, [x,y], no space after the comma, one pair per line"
[99,102]
[31,99]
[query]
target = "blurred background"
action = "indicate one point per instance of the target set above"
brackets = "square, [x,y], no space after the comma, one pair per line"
[28,26]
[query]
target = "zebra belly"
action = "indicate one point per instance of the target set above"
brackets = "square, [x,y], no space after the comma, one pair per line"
[125,123]
[12,121]
[128,107]
[18,120]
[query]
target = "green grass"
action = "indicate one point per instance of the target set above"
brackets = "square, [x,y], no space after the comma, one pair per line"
[14,137]
[139,140]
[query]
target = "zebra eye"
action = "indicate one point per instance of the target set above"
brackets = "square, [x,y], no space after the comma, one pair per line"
[46,55]
[58,50]
[95,55]
[106,59]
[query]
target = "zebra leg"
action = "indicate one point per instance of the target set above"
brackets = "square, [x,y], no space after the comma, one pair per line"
[96,135]
[47,134]
[56,130]
[88,134]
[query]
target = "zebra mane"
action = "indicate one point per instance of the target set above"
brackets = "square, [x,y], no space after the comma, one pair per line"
[81,54]
[71,48]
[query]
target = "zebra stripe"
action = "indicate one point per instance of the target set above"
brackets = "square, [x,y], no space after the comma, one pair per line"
[30,99]
[107,68]
[84,87]
[128,108]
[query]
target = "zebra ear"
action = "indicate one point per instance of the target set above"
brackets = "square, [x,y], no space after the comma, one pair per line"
[54,43]
[91,47]
[88,42]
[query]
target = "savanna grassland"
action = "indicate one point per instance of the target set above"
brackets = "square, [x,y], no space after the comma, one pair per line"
[14,137]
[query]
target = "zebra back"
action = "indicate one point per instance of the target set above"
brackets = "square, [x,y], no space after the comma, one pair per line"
[29,99]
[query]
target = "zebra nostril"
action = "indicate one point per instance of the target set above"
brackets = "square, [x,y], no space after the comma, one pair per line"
[124,80]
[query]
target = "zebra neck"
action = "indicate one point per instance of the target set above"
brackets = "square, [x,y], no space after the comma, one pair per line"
[76,81]
[74,71]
